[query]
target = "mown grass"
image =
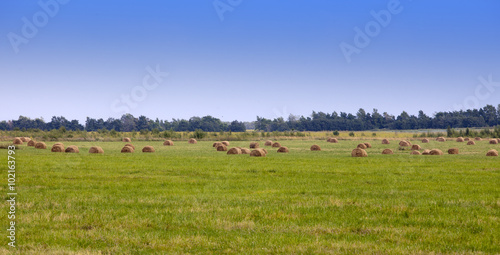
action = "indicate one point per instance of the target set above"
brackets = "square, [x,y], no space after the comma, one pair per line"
[192,199]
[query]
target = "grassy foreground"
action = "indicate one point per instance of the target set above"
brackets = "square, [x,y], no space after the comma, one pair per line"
[192,199]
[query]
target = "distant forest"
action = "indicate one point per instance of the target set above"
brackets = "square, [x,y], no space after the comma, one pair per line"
[487,116]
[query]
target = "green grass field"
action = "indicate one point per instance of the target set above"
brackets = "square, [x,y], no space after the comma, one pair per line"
[191,199]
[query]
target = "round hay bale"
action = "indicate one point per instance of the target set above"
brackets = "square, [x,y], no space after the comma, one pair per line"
[268,143]
[31,143]
[477,138]
[59,144]
[130,145]
[453,151]
[226,143]
[258,153]
[283,150]
[404,144]
[96,149]
[72,149]
[332,140]
[441,139]
[359,153]
[498,140]
[254,145]
[385,141]
[222,147]
[493,141]
[426,152]
[217,144]
[168,143]
[368,145]
[234,151]
[192,141]
[416,147]
[460,140]
[387,151]
[415,153]
[492,153]
[148,149]
[40,145]
[315,148]
[467,139]
[435,152]
[471,142]
[57,148]
[126,140]
[361,146]
[127,149]
[425,140]
[17,140]
[276,145]
[23,139]
[245,151]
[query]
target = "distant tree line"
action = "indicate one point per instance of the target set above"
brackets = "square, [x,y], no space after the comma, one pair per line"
[487,116]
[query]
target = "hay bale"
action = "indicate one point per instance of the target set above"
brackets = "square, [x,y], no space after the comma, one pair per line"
[441,139]
[168,143]
[130,145]
[471,143]
[234,151]
[492,153]
[245,151]
[416,147]
[361,146]
[57,148]
[217,144]
[283,150]
[31,143]
[127,149]
[268,143]
[23,139]
[359,153]
[192,141]
[72,149]
[425,140]
[460,140]
[225,143]
[368,145]
[276,145]
[148,149]
[498,140]
[17,140]
[254,145]
[59,144]
[426,152]
[387,151]
[385,141]
[435,152]
[258,153]
[478,139]
[222,147]
[404,144]
[415,153]
[453,151]
[332,140]
[493,141]
[96,149]
[126,140]
[315,148]
[40,145]
[467,139]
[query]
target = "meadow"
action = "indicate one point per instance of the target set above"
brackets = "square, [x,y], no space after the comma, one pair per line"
[191,199]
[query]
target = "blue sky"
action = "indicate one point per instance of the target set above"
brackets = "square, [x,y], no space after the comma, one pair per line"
[265,58]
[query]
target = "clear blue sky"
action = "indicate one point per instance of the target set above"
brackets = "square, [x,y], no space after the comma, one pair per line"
[265,58]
